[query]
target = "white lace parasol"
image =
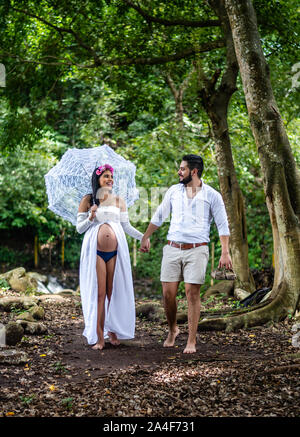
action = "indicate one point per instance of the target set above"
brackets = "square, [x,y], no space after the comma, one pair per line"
[69,180]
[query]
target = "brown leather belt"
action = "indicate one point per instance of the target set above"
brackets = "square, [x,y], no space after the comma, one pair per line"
[185,246]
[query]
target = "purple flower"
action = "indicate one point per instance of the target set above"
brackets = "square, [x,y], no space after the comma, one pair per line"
[103,168]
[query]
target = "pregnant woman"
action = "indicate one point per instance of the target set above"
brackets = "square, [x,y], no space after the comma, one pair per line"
[106,286]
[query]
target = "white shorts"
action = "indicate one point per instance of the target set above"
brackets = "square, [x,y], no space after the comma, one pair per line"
[184,265]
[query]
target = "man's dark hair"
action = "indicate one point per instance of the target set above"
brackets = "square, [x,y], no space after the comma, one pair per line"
[194,161]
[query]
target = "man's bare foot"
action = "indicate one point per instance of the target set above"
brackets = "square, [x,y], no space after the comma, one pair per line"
[113,339]
[98,346]
[169,342]
[190,348]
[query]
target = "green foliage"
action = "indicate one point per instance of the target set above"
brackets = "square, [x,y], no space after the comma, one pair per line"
[4,284]
[22,188]
[74,89]
[67,403]
[26,400]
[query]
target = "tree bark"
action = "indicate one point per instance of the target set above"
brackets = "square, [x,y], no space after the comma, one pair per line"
[216,101]
[281,177]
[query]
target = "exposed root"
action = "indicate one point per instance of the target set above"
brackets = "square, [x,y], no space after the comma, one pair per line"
[282,369]
[274,310]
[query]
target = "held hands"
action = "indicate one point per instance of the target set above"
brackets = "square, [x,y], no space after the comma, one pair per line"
[145,245]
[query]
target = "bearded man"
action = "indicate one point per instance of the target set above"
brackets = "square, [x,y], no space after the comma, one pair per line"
[193,206]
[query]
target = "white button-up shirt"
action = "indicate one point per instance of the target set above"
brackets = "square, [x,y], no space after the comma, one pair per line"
[191,218]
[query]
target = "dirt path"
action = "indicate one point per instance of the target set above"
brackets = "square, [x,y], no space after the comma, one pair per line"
[227,376]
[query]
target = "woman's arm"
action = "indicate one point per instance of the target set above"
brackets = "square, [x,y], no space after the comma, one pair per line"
[124,219]
[84,218]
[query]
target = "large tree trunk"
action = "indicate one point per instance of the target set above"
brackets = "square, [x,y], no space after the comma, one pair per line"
[281,178]
[216,101]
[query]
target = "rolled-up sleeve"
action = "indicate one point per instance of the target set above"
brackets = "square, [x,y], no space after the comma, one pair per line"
[219,215]
[163,211]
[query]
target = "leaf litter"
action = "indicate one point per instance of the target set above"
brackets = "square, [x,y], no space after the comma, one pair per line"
[251,373]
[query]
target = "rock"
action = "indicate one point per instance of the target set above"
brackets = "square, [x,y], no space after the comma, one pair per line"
[221,287]
[12,356]
[25,316]
[37,276]
[151,311]
[182,317]
[34,328]
[37,312]
[19,281]
[18,302]
[18,273]
[13,333]
[241,294]
[24,284]
[18,284]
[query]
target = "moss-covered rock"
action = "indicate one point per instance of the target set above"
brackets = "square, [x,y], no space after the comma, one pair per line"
[13,333]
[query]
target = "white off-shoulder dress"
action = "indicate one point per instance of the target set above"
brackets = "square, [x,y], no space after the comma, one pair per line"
[120,312]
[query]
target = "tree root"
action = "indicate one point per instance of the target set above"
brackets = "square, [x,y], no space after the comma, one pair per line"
[282,369]
[275,310]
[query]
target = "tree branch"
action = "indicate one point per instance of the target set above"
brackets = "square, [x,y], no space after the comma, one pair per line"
[206,47]
[173,22]
[60,30]
[125,61]
[128,61]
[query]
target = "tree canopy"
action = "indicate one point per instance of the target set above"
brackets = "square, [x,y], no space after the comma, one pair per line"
[79,75]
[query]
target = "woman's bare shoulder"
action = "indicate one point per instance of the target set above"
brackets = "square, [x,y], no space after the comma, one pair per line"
[85,203]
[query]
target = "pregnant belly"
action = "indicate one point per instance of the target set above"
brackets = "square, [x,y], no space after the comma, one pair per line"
[107,240]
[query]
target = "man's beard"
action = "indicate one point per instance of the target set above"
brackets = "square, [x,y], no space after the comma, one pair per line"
[186,180]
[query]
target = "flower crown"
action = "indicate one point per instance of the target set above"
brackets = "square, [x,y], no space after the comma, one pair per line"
[103,168]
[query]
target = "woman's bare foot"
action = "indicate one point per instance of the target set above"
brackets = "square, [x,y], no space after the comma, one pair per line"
[169,342]
[99,345]
[113,339]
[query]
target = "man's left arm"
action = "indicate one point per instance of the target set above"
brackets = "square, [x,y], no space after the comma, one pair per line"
[220,218]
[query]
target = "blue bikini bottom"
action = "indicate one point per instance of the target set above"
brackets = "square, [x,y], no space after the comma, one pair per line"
[106,256]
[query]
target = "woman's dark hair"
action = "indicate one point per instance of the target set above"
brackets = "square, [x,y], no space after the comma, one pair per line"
[95,186]
[194,161]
